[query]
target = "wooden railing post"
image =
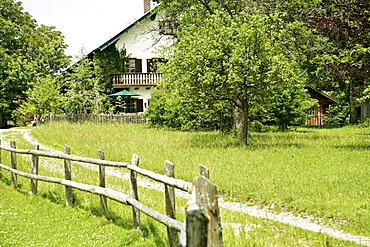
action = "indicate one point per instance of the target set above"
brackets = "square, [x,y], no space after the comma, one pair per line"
[133,191]
[196,229]
[204,171]
[169,193]
[68,176]
[206,198]
[103,199]
[35,171]
[13,161]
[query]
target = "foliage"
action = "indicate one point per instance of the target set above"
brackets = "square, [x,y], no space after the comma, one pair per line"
[289,107]
[43,97]
[80,86]
[337,115]
[168,109]
[364,124]
[27,52]
[240,59]
[107,62]
[345,26]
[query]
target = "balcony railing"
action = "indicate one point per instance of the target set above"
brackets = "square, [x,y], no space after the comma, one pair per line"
[136,79]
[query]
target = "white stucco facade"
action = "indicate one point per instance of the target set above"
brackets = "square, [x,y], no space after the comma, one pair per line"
[143,41]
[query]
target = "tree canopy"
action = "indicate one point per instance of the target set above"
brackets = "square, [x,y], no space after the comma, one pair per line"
[240,59]
[345,25]
[28,52]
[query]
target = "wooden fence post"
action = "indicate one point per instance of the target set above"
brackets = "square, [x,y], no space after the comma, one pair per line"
[35,171]
[134,192]
[13,161]
[169,192]
[204,171]
[196,229]
[206,198]
[103,199]
[68,176]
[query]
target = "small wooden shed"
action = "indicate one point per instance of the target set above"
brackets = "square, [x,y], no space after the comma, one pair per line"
[317,113]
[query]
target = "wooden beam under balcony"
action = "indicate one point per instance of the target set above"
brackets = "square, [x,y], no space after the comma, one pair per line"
[122,80]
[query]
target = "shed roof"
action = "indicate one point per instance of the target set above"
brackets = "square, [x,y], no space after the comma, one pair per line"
[330,99]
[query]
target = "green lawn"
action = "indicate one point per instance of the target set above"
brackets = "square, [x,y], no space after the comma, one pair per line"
[35,221]
[322,172]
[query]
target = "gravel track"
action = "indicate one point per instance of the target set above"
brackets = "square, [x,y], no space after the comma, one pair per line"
[284,217]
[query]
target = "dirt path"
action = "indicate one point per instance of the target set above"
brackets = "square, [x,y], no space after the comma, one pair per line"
[284,217]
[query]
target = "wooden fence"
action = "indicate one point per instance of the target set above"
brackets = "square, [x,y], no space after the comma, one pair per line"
[97,118]
[203,224]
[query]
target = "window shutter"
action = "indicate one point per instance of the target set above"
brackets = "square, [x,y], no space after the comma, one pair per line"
[149,63]
[140,105]
[138,68]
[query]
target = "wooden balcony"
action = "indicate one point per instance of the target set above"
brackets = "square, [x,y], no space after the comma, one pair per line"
[123,80]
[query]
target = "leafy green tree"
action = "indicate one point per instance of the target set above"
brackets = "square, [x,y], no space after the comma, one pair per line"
[168,108]
[239,58]
[14,27]
[27,52]
[344,65]
[81,88]
[43,96]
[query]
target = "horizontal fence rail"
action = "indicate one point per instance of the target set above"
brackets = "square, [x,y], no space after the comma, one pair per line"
[178,183]
[204,218]
[112,194]
[98,118]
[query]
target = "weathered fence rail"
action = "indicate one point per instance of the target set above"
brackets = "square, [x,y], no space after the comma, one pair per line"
[98,118]
[204,193]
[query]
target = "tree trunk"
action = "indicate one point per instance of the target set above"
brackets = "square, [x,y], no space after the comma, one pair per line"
[352,108]
[241,115]
[2,122]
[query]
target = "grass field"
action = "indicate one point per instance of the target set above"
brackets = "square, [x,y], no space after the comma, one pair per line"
[320,172]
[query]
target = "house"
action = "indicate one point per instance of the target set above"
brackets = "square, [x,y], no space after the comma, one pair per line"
[318,113]
[142,39]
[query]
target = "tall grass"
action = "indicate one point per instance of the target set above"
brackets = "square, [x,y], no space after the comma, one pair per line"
[56,222]
[321,172]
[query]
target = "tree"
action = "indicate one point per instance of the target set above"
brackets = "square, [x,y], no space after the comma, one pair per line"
[27,52]
[169,108]
[345,65]
[237,58]
[42,97]
[80,88]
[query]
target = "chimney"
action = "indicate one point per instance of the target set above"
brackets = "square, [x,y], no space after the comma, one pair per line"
[146,6]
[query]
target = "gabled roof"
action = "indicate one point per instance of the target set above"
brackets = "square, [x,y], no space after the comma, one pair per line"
[327,97]
[147,15]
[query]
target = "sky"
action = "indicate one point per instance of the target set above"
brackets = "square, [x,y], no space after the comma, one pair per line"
[85,24]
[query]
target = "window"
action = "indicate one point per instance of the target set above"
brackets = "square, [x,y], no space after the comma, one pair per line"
[129,105]
[134,105]
[131,65]
[311,111]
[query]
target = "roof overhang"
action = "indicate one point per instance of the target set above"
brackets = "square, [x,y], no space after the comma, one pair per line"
[150,14]
[330,99]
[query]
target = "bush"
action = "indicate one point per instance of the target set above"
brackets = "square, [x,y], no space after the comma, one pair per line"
[167,110]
